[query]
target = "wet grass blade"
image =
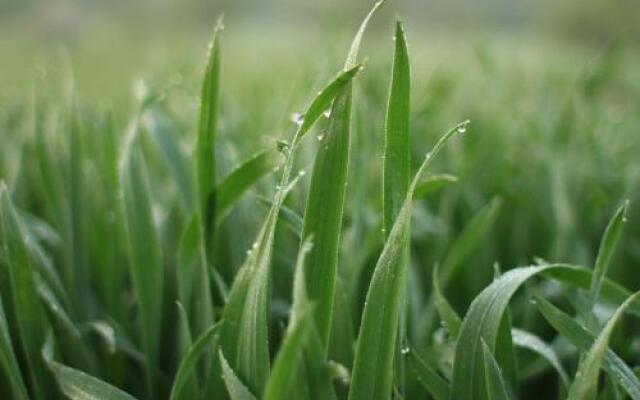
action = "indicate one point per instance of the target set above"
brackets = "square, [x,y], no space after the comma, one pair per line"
[530,341]
[242,178]
[495,382]
[396,166]
[237,390]
[204,342]
[205,145]
[28,311]
[244,330]
[325,201]
[434,383]
[585,384]
[483,322]
[77,385]
[607,246]
[143,247]
[448,315]
[583,340]
[8,361]
[371,376]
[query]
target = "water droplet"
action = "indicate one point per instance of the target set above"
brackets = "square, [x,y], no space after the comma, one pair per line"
[405,351]
[249,252]
[462,129]
[320,137]
[327,113]
[278,187]
[297,118]
[302,172]
[254,245]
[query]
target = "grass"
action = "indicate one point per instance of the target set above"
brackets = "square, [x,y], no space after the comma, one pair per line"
[149,252]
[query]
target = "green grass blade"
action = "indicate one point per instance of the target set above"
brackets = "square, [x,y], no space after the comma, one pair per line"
[448,315]
[464,245]
[325,201]
[237,390]
[67,334]
[355,44]
[244,330]
[206,341]
[8,361]
[434,383]
[396,139]
[375,347]
[205,145]
[77,385]
[585,384]
[530,341]
[496,385]
[284,376]
[396,165]
[482,322]
[583,340]
[193,279]
[242,178]
[607,246]
[324,99]
[434,183]
[30,318]
[163,135]
[143,247]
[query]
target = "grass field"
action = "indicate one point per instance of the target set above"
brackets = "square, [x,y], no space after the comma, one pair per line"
[311,220]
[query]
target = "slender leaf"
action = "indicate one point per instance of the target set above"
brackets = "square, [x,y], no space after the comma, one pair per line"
[585,384]
[377,338]
[8,361]
[496,384]
[237,390]
[325,201]
[204,342]
[607,246]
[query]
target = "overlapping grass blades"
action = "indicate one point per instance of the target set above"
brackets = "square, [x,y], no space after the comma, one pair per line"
[377,338]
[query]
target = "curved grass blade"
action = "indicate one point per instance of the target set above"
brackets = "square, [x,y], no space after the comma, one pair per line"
[205,144]
[375,347]
[433,183]
[495,382]
[188,362]
[483,321]
[30,318]
[143,247]
[434,383]
[528,340]
[607,246]
[68,336]
[585,384]
[583,339]
[325,201]
[8,361]
[77,385]
[242,178]
[237,390]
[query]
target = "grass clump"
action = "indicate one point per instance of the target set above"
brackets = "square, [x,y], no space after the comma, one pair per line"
[131,267]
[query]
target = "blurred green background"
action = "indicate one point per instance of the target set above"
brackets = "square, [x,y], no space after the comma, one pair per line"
[113,41]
